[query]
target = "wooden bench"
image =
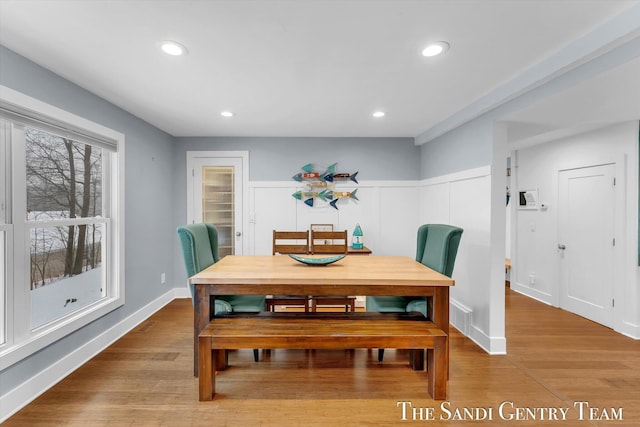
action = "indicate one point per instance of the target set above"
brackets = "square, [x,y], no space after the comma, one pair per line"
[322,331]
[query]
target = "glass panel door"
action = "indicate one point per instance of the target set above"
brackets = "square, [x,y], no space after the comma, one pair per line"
[218,204]
[217,200]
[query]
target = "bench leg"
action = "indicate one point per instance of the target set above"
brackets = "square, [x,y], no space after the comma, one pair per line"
[438,369]
[222,360]
[416,359]
[206,368]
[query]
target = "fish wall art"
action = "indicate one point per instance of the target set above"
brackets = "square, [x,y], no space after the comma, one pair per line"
[309,196]
[309,174]
[317,179]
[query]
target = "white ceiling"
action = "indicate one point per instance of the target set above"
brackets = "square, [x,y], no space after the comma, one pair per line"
[297,67]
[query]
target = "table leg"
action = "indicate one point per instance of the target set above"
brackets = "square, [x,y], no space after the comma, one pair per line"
[441,316]
[201,316]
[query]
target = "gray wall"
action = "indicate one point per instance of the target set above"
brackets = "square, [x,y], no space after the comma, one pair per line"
[467,147]
[278,159]
[148,202]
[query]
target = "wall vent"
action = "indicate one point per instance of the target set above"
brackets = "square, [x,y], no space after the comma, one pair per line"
[460,317]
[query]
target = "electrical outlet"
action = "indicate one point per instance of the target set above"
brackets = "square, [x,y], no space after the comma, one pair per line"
[532,279]
[163,278]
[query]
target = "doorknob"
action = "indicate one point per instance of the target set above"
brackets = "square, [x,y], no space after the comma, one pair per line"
[238,234]
[562,247]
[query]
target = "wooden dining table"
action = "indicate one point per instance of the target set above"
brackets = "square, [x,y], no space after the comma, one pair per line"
[352,275]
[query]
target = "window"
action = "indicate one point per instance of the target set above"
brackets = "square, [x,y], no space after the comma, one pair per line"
[63,211]
[61,219]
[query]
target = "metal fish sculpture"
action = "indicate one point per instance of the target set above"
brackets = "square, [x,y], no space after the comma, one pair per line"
[340,176]
[309,174]
[337,195]
[309,196]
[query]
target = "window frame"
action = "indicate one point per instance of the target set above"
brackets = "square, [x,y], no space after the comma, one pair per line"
[6,234]
[21,340]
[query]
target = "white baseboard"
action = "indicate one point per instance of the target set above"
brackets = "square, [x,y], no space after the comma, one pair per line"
[492,345]
[537,295]
[461,318]
[630,330]
[181,291]
[14,400]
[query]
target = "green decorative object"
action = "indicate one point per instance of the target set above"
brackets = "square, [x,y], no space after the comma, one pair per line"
[356,239]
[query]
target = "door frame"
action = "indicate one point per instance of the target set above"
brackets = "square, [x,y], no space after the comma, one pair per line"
[244,156]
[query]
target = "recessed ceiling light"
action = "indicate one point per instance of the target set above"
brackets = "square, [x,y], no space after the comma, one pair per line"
[378,114]
[436,48]
[173,48]
[226,114]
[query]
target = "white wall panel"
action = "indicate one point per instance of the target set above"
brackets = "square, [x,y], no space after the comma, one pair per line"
[272,208]
[472,262]
[386,211]
[320,213]
[398,221]
[434,204]
[460,199]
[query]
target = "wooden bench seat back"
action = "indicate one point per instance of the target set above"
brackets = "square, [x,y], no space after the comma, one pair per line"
[290,242]
[333,242]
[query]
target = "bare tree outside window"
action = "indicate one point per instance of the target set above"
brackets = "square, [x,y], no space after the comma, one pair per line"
[64,181]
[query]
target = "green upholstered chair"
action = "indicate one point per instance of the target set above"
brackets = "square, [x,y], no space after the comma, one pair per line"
[437,249]
[199,243]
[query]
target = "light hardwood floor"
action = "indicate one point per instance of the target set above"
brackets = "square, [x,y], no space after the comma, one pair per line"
[554,360]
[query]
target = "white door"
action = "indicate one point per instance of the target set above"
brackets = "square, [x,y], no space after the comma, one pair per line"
[586,241]
[215,195]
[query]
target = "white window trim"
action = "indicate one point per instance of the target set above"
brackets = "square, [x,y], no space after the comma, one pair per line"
[21,340]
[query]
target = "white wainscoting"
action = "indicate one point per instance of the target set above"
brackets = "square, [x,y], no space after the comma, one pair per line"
[463,199]
[387,212]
